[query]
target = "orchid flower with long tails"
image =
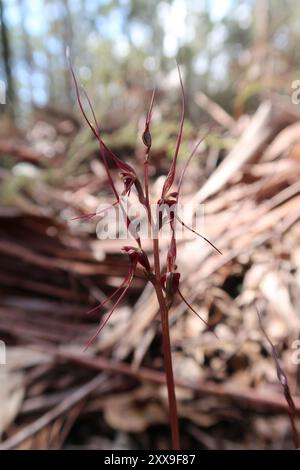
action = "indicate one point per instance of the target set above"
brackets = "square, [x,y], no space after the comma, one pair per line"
[135,256]
[166,283]
[170,279]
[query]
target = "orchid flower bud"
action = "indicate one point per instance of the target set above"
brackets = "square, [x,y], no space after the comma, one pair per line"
[138,256]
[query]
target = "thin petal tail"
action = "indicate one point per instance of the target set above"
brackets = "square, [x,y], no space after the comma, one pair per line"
[198,234]
[93,338]
[171,175]
[195,312]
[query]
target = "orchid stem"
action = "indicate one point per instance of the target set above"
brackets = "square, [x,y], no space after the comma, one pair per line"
[173,415]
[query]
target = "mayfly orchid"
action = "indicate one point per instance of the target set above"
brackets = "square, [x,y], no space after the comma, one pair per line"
[166,281]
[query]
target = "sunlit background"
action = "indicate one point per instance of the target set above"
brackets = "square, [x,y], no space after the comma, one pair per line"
[123,47]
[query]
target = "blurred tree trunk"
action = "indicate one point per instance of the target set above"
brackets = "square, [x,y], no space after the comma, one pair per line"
[261,28]
[53,97]
[67,37]
[261,22]
[27,47]
[7,60]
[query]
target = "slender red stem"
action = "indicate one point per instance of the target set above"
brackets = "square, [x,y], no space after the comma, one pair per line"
[146,180]
[173,414]
[166,350]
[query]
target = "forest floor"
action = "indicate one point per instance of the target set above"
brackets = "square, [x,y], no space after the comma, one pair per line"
[54,269]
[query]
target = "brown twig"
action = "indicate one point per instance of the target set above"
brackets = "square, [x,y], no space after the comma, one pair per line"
[68,403]
[247,397]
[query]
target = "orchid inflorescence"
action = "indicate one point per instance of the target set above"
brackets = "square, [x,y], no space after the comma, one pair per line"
[166,283]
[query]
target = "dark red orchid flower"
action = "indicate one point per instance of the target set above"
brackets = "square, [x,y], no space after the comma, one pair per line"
[146,136]
[170,279]
[172,172]
[128,173]
[136,256]
[167,285]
